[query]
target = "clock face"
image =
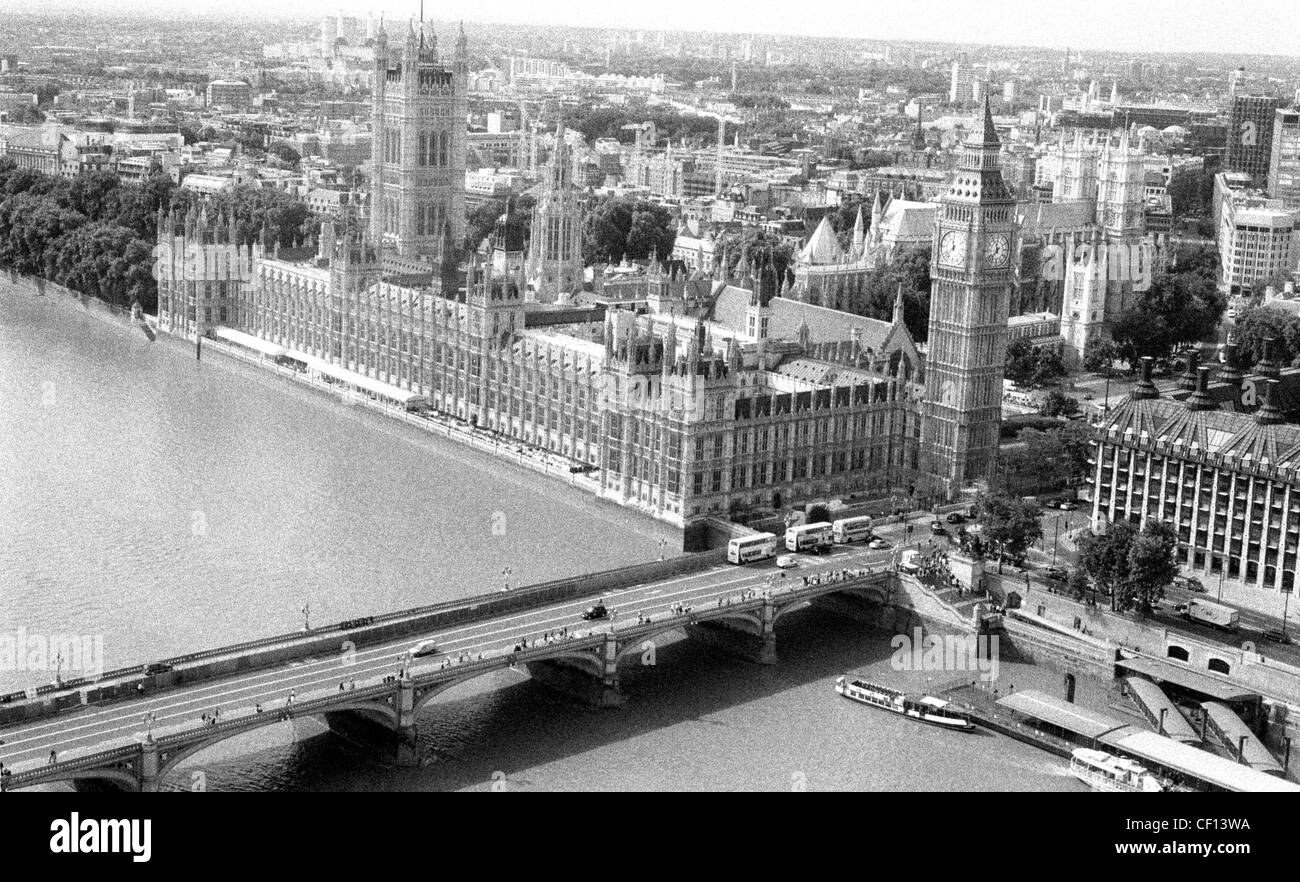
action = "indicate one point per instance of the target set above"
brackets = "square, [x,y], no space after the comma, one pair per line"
[996,250]
[952,249]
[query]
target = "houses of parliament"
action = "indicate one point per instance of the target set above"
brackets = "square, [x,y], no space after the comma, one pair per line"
[693,395]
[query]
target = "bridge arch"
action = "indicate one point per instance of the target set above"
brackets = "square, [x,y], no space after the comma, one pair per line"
[121,777]
[587,659]
[170,759]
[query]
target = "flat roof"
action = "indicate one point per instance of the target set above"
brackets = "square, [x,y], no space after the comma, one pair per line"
[370,384]
[1188,679]
[249,341]
[1063,714]
[1200,764]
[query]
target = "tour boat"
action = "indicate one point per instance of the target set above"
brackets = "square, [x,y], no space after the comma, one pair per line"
[1112,774]
[925,708]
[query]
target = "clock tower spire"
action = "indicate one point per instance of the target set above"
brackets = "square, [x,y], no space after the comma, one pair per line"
[971,279]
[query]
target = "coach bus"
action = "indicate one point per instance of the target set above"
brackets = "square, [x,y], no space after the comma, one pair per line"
[851,529]
[809,537]
[744,549]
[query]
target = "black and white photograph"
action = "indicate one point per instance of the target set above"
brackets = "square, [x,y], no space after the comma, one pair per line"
[415,397]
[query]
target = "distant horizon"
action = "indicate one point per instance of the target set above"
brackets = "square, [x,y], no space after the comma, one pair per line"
[1260,28]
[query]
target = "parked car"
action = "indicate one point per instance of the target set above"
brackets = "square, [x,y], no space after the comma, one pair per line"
[1069,506]
[427,647]
[937,529]
[1189,583]
[955,517]
[599,611]
[1057,574]
[1277,635]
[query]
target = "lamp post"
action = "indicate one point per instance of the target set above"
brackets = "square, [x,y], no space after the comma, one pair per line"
[505,574]
[1056,537]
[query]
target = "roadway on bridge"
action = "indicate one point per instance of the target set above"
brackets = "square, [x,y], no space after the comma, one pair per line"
[174,709]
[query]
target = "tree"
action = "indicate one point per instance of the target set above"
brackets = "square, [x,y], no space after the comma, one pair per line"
[757,246]
[1260,323]
[1028,365]
[1099,355]
[1182,306]
[1057,403]
[1152,568]
[1078,584]
[285,152]
[620,227]
[26,115]
[1104,557]
[1011,525]
[1021,362]
[818,514]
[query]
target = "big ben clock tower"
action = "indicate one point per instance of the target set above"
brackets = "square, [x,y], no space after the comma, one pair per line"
[970,295]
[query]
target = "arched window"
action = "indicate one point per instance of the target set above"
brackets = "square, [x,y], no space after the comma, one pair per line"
[1219,666]
[1177,652]
[443,144]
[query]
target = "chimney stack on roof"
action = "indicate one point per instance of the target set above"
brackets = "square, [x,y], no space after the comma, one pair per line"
[1266,366]
[1201,399]
[1146,387]
[1269,414]
[1187,380]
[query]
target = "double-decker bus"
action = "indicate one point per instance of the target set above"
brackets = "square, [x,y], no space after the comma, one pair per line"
[744,549]
[809,537]
[851,529]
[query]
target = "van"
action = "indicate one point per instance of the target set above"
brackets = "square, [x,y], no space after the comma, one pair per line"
[785,561]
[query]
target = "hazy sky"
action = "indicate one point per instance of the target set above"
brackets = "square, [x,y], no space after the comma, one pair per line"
[1240,26]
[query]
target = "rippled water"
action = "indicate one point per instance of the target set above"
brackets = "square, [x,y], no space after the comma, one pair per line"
[170,505]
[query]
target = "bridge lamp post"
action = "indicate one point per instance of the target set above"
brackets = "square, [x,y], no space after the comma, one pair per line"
[306,617]
[505,574]
[663,544]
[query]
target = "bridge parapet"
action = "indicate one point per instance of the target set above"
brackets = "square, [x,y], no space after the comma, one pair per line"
[53,699]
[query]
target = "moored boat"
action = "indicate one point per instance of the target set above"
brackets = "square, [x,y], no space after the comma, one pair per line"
[1112,774]
[926,708]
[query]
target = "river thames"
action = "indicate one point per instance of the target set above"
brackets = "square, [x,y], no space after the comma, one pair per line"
[166,505]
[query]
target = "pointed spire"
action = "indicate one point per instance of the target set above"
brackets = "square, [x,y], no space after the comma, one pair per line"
[987,134]
[898,305]
[859,234]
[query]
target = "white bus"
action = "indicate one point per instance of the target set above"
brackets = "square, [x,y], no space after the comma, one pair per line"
[851,529]
[809,537]
[744,549]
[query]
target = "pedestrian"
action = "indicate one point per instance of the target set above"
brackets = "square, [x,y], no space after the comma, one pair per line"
[54,757]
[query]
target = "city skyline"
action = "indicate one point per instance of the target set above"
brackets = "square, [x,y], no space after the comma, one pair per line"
[1252,27]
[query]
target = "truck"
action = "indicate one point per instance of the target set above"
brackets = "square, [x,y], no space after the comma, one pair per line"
[1207,613]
